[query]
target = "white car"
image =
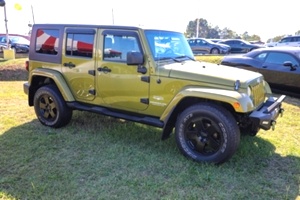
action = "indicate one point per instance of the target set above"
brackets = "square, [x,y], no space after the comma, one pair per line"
[289,41]
[270,43]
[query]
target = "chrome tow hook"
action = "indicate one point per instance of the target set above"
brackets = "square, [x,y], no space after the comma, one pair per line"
[273,123]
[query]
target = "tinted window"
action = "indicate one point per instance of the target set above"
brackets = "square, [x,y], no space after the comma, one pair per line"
[261,56]
[117,45]
[192,42]
[280,58]
[19,40]
[47,41]
[3,39]
[296,39]
[80,44]
[288,39]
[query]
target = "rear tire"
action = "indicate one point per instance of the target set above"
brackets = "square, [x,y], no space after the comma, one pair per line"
[207,133]
[50,107]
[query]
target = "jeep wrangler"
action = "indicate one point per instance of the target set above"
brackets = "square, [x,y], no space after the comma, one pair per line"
[147,76]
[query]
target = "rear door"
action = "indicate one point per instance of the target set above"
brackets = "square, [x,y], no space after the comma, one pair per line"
[78,62]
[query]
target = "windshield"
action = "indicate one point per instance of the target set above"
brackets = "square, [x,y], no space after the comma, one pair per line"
[19,40]
[168,45]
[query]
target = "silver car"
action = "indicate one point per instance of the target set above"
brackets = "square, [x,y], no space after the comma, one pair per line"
[206,46]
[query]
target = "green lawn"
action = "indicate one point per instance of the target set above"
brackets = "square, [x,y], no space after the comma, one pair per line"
[98,157]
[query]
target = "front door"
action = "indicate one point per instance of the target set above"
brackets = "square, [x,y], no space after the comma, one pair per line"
[118,84]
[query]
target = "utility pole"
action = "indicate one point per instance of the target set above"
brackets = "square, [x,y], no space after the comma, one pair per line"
[113,17]
[2,4]
[32,15]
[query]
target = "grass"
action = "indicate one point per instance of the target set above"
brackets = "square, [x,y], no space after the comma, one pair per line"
[97,157]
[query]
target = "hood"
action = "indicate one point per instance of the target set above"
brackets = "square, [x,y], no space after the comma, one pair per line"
[209,73]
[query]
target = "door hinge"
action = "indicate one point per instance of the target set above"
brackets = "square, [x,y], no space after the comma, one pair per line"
[92,91]
[145,100]
[145,79]
[92,72]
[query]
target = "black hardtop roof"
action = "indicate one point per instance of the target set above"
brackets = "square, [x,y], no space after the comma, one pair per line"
[97,26]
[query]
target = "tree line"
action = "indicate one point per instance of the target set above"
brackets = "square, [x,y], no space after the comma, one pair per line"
[205,30]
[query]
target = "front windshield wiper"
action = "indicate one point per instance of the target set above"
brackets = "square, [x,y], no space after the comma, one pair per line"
[184,57]
[176,59]
[168,58]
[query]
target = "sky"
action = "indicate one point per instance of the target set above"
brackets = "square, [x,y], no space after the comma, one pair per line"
[266,19]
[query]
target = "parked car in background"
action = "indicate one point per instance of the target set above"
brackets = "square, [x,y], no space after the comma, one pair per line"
[240,46]
[270,43]
[293,41]
[18,43]
[279,66]
[205,46]
[2,46]
[215,40]
[257,42]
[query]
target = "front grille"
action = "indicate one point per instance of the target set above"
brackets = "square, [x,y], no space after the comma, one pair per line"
[258,93]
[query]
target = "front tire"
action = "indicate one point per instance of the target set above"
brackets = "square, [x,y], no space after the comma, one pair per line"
[50,107]
[215,51]
[207,133]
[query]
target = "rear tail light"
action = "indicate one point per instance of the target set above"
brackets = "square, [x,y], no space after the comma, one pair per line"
[27,65]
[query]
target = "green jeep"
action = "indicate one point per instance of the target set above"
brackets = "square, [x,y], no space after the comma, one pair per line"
[146,76]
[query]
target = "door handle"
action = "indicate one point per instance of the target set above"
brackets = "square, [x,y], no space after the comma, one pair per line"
[104,69]
[69,64]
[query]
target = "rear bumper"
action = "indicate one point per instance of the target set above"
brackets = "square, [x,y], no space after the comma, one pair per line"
[265,117]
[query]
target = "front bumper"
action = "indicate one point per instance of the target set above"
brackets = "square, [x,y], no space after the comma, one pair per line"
[265,117]
[225,51]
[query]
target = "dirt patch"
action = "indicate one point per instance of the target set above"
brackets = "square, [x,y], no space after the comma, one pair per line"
[13,73]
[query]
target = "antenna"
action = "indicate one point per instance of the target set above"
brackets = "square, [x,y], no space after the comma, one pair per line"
[32,15]
[113,18]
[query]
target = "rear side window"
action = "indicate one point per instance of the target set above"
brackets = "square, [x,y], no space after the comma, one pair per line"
[80,44]
[47,41]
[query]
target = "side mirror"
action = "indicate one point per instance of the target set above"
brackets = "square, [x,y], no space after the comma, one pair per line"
[290,65]
[135,58]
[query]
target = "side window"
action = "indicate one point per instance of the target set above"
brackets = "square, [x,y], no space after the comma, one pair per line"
[116,46]
[288,39]
[192,42]
[80,44]
[280,58]
[47,41]
[261,57]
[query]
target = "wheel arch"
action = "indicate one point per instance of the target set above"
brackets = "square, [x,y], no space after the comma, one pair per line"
[170,115]
[40,77]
